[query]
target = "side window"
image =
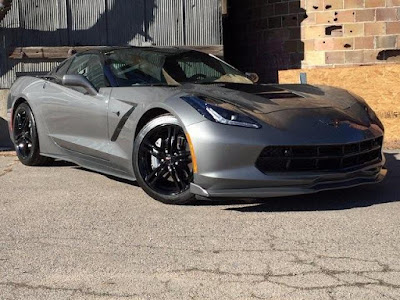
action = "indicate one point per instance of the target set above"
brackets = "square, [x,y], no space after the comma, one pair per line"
[131,68]
[95,72]
[63,68]
[90,66]
[79,65]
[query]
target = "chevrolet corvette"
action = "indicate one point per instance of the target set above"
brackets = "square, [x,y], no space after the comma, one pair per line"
[186,124]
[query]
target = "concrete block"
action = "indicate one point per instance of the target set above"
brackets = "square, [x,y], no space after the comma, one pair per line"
[5,142]
[386,42]
[315,58]
[335,57]
[391,3]
[315,5]
[354,57]
[378,28]
[365,15]
[3,103]
[353,3]
[375,3]
[333,4]
[355,29]
[386,14]
[335,17]
[393,28]
[313,32]
[364,42]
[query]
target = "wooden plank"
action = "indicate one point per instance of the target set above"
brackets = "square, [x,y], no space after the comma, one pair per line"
[217,50]
[44,53]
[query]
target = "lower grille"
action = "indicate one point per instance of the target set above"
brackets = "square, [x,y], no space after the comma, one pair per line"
[320,158]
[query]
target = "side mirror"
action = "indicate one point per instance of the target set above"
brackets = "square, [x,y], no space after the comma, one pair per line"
[253,77]
[81,81]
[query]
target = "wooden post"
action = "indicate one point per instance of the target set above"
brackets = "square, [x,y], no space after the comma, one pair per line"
[224,7]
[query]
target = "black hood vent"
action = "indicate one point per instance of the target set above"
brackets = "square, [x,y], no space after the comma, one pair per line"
[265,91]
[279,95]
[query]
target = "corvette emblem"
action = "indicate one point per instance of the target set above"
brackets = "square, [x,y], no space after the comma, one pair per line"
[333,123]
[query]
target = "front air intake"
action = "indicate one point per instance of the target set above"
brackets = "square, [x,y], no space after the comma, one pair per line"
[320,157]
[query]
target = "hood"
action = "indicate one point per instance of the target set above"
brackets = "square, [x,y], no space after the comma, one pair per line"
[291,106]
[268,98]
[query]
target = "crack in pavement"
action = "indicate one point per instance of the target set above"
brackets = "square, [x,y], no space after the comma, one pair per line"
[82,291]
[277,278]
[8,168]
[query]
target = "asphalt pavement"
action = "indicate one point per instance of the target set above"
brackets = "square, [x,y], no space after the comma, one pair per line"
[68,233]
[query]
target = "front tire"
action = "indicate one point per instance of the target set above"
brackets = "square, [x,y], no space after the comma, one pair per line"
[162,162]
[26,139]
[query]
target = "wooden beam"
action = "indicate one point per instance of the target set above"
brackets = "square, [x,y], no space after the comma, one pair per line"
[44,53]
[217,50]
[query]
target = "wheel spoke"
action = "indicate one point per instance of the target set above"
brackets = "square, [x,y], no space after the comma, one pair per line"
[28,139]
[169,139]
[186,169]
[155,179]
[174,141]
[154,172]
[18,137]
[153,149]
[25,123]
[177,180]
[18,121]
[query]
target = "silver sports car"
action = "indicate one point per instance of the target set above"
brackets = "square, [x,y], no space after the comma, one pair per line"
[183,124]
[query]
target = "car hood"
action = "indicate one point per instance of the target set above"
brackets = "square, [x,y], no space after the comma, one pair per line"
[268,98]
[285,106]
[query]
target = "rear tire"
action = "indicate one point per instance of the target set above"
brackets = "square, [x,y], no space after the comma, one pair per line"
[162,161]
[26,140]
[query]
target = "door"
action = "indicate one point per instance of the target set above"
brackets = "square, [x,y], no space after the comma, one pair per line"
[77,121]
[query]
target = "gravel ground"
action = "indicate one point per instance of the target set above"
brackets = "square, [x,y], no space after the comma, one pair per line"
[68,233]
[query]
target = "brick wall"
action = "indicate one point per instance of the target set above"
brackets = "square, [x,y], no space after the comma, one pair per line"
[266,36]
[349,32]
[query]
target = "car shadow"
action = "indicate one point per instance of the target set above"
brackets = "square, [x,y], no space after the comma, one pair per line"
[368,195]
[364,196]
[122,180]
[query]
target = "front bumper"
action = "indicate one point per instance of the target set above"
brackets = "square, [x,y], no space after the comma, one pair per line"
[227,155]
[301,186]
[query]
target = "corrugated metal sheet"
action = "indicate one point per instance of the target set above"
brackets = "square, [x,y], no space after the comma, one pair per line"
[126,22]
[207,30]
[167,27]
[87,23]
[104,22]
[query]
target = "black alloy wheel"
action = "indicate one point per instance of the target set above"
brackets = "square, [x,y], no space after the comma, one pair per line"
[163,161]
[26,138]
[23,133]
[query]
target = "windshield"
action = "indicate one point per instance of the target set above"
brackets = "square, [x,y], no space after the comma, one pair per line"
[151,67]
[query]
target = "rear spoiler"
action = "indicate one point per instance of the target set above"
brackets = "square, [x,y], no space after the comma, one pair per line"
[32,74]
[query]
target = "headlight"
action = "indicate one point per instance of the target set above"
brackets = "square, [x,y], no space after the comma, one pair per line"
[221,115]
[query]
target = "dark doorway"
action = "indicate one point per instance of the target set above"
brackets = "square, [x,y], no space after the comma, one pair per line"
[264,36]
